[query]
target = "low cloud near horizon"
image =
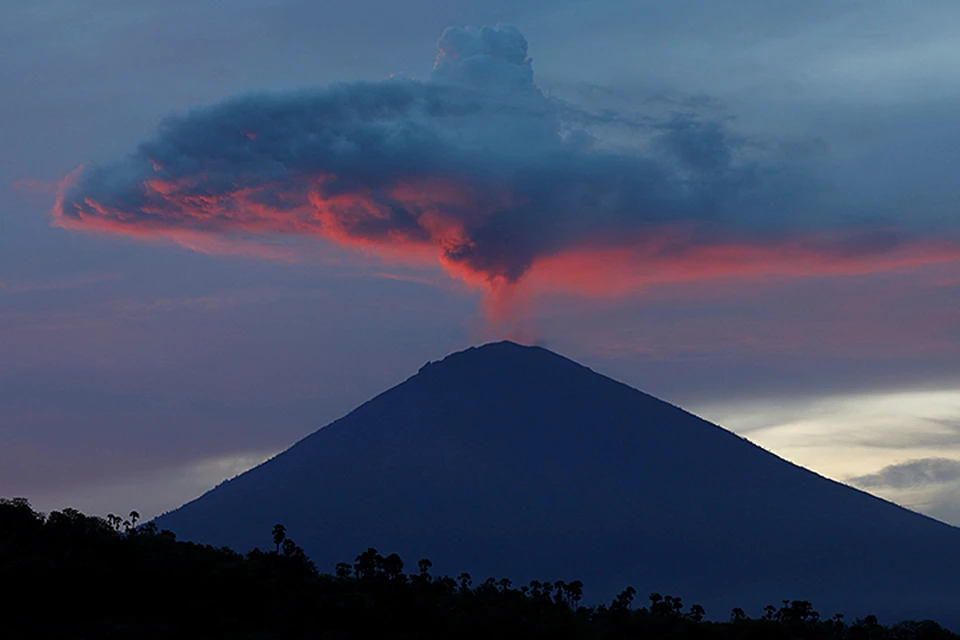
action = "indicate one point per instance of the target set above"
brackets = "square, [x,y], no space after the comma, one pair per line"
[914,474]
[929,485]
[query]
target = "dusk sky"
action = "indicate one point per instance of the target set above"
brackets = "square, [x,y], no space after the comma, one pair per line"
[225,224]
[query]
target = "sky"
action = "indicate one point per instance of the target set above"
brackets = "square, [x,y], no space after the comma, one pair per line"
[223,225]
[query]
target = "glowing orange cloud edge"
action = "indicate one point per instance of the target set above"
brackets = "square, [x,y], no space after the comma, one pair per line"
[231,223]
[610,271]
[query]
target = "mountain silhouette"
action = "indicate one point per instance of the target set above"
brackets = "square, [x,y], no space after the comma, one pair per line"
[513,461]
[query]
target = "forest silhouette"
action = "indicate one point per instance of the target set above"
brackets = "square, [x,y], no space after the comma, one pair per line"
[69,575]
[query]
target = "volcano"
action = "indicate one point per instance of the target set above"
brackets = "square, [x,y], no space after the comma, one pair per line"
[512,461]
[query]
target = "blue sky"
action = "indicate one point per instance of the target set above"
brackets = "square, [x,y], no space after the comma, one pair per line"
[805,150]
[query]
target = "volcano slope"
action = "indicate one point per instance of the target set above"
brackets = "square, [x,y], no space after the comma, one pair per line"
[513,461]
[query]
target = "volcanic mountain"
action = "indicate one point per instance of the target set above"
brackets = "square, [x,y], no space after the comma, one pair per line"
[513,461]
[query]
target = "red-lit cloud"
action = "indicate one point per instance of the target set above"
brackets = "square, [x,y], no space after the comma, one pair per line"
[675,258]
[475,171]
[230,223]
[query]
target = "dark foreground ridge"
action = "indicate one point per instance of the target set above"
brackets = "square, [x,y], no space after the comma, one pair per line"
[72,576]
[512,461]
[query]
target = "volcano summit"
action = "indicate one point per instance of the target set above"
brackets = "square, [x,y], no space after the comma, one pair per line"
[512,461]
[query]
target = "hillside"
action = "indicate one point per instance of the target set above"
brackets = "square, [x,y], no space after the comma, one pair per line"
[513,461]
[76,576]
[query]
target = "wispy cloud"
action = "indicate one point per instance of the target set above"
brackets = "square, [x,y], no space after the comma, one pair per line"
[152,492]
[35,187]
[912,474]
[55,284]
[945,433]
[211,302]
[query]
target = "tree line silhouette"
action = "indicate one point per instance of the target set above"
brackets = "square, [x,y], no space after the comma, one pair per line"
[69,575]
